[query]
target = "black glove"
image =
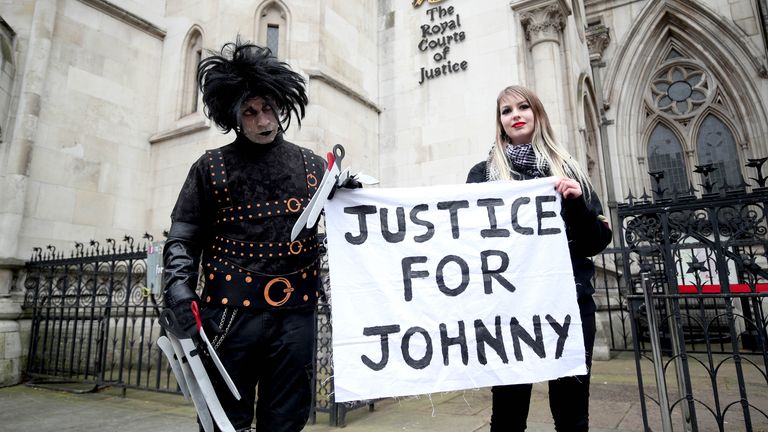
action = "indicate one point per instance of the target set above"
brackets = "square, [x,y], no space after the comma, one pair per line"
[350,183]
[184,316]
[181,257]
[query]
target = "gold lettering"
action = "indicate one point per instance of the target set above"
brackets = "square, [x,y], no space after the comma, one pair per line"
[417,3]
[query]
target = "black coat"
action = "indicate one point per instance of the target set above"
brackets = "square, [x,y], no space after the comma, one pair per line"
[237,208]
[587,236]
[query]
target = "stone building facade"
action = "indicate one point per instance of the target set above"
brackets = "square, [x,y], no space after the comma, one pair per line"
[100,116]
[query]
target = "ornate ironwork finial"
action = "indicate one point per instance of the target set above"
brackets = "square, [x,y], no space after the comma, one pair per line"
[705,170]
[645,266]
[749,263]
[645,197]
[148,236]
[111,242]
[657,177]
[630,198]
[757,164]
[696,266]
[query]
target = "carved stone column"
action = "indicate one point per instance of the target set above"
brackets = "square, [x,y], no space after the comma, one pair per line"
[598,38]
[543,23]
[13,188]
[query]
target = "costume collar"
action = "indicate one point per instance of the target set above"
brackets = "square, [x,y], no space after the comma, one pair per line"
[245,145]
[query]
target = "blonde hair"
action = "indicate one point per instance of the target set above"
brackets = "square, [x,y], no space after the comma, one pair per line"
[545,145]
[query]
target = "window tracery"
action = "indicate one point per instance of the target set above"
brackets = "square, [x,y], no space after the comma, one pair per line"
[680,89]
[688,124]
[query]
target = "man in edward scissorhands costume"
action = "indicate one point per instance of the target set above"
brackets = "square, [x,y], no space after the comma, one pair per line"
[236,209]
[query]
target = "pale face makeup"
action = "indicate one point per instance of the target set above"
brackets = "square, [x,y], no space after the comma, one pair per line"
[259,122]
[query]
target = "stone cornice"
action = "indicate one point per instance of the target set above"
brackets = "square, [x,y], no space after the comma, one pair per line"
[197,126]
[323,76]
[129,18]
[6,28]
[11,263]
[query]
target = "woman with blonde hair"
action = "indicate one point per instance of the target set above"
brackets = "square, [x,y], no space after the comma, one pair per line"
[525,148]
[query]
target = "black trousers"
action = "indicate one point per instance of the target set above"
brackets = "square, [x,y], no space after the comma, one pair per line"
[274,350]
[568,396]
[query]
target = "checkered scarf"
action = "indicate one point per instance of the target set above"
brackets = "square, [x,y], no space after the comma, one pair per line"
[523,161]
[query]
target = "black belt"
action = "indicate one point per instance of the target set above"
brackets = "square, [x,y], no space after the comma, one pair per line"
[230,248]
[239,288]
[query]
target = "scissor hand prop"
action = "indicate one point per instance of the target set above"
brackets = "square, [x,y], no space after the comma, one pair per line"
[183,352]
[332,180]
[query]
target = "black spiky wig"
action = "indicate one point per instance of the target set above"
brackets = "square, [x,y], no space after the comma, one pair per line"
[242,71]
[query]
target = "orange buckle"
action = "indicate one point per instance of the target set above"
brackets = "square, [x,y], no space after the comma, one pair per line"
[293,205]
[287,290]
[298,251]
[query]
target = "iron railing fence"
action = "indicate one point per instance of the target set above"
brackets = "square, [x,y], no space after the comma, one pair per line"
[696,285]
[94,321]
[611,299]
[615,299]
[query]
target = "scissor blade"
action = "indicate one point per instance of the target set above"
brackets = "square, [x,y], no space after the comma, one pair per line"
[220,366]
[322,195]
[206,388]
[366,179]
[309,216]
[165,345]
[194,390]
[302,222]
[325,184]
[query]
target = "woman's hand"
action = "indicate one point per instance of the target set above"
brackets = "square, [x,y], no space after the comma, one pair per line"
[568,188]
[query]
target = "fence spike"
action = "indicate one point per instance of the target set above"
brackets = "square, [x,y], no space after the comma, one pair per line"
[129,240]
[645,197]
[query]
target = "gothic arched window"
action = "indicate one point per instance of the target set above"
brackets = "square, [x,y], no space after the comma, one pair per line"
[193,53]
[688,116]
[715,145]
[272,29]
[666,154]
[7,74]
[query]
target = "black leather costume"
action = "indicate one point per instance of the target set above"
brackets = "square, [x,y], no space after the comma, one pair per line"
[237,206]
[236,209]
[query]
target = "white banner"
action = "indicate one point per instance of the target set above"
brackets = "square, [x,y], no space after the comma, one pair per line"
[450,287]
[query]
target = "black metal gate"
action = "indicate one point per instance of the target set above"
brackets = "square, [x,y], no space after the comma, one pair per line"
[94,323]
[93,320]
[697,285]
